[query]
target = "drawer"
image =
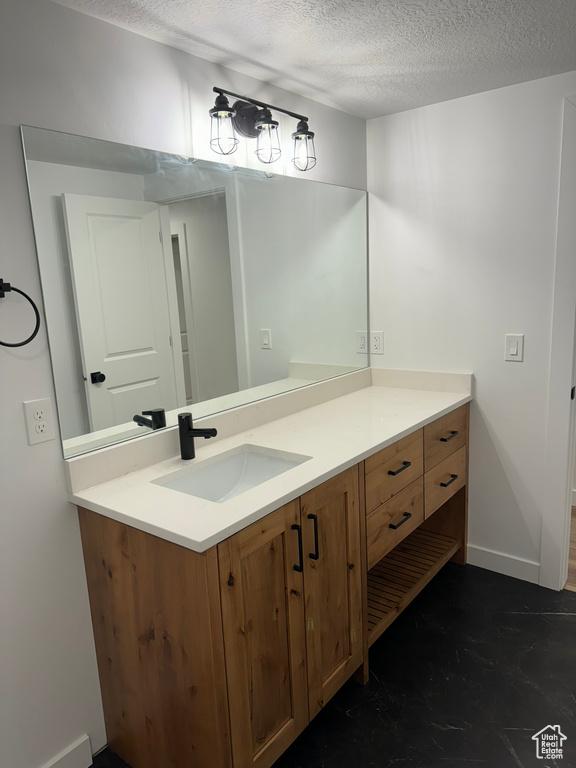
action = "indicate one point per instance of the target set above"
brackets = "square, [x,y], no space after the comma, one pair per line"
[445,436]
[406,511]
[392,469]
[442,482]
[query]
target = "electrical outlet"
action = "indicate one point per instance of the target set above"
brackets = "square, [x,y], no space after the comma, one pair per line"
[361,342]
[39,420]
[377,342]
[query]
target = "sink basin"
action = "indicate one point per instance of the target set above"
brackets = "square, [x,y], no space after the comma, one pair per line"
[229,474]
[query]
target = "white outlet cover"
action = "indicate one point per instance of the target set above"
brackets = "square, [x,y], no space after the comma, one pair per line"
[39,420]
[377,342]
[361,342]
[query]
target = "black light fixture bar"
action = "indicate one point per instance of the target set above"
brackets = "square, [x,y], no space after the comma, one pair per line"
[261,104]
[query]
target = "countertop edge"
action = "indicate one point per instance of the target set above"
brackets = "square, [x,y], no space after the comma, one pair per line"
[260,510]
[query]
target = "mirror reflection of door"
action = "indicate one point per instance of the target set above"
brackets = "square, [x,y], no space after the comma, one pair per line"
[119,278]
[204,289]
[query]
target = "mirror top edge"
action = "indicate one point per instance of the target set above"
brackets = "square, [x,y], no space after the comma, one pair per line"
[47,145]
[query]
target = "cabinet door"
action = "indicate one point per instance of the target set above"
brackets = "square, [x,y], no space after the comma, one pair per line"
[332,580]
[263,621]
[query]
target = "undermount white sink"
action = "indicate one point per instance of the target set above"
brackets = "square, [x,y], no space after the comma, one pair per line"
[229,474]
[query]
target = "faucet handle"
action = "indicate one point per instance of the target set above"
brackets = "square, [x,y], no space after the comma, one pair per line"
[185,418]
[158,417]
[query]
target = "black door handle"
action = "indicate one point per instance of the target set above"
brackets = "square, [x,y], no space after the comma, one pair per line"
[451,436]
[300,566]
[314,555]
[405,517]
[405,465]
[452,478]
[97,377]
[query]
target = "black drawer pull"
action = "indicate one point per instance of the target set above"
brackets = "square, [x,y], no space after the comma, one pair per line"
[314,555]
[300,566]
[452,478]
[405,465]
[405,516]
[451,436]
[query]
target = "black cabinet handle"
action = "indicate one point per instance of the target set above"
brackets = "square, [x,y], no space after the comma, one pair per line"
[97,377]
[451,436]
[405,465]
[300,566]
[452,478]
[405,517]
[314,555]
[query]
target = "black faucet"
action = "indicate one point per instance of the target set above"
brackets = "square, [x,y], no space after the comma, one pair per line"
[158,420]
[188,433]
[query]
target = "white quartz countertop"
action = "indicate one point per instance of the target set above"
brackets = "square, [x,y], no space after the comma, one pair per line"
[336,435]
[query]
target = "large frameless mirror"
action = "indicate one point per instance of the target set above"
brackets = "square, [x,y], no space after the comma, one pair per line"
[180,284]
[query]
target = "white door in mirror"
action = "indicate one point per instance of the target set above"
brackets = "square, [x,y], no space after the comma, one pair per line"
[121,296]
[39,420]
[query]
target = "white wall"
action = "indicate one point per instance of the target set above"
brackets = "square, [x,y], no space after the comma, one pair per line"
[464,203]
[303,251]
[62,70]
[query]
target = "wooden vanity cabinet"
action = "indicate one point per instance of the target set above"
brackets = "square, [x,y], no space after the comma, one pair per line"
[417,528]
[332,585]
[292,616]
[264,635]
[220,659]
[158,632]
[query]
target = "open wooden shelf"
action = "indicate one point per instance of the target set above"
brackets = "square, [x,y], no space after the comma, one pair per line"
[396,579]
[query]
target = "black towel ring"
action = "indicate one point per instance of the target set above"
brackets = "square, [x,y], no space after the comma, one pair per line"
[4,288]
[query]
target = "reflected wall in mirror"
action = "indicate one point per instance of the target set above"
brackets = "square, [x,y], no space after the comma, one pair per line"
[180,284]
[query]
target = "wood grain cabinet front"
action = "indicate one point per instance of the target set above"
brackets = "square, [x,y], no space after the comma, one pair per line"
[332,585]
[292,616]
[220,659]
[262,590]
[390,470]
[394,520]
[444,480]
[421,526]
[445,436]
[158,632]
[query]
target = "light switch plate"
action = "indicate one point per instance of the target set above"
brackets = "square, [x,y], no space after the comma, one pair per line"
[265,338]
[514,348]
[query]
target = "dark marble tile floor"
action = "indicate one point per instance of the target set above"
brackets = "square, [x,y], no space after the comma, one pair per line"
[464,678]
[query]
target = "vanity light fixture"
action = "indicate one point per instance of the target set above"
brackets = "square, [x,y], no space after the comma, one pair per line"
[304,156]
[222,138]
[253,120]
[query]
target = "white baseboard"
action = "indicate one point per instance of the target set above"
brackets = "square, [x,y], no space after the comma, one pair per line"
[574,497]
[77,755]
[518,568]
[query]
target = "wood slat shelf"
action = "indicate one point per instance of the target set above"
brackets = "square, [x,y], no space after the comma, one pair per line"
[396,580]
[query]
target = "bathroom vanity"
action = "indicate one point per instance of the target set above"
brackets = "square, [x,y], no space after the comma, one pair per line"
[223,630]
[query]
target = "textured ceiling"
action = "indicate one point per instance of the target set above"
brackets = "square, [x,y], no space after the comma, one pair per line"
[365,57]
